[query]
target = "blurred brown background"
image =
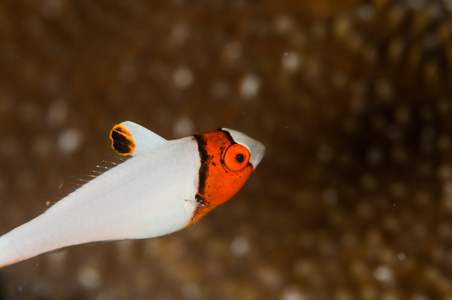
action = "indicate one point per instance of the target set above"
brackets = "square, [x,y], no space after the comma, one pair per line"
[352,99]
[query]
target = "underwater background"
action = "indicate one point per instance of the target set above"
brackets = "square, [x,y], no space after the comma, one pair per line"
[353,100]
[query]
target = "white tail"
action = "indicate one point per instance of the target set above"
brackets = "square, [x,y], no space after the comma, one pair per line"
[8,255]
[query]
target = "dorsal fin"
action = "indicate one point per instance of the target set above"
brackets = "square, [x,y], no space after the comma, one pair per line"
[129,138]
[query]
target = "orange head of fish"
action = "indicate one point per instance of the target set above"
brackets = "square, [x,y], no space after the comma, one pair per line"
[225,167]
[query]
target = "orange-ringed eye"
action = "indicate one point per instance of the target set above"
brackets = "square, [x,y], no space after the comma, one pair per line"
[236,157]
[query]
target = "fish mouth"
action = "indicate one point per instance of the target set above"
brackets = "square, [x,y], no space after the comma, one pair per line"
[257,151]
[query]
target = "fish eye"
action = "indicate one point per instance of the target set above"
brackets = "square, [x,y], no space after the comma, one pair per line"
[236,157]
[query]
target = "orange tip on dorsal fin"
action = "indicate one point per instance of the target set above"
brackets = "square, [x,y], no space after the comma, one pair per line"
[129,138]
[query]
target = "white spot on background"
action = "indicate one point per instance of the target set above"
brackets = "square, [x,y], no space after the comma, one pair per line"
[89,278]
[184,126]
[250,85]
[292,292]
[240,245]
[57,260]
[290,61]
[69,140]
[366,12]
[283,24]
[383,274]
[269,277]
[401,256]
[183,77]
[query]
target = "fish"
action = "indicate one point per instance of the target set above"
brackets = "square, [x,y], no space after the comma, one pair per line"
[163,186]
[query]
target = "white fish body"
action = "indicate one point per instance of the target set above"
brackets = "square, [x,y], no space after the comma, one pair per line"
[151,194]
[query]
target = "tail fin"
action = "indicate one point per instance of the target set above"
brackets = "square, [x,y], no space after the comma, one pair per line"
[8,255]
